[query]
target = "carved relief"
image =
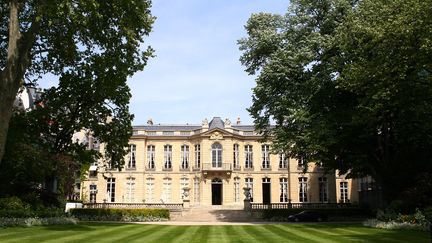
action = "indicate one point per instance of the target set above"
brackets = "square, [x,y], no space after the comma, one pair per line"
[216,136]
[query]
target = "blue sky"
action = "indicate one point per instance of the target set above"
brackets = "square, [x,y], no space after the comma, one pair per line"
[196,73]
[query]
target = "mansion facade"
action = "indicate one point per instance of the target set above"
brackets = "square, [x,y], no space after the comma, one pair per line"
[214,161]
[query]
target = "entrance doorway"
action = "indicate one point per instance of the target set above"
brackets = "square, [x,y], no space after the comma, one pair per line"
[216,191]
[266,190]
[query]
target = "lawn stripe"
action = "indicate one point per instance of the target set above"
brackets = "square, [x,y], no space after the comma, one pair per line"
[164,232]
[184,236]
[230,234]
[139,234]
[201,234]
[271,233]
[292,231]
[94,232]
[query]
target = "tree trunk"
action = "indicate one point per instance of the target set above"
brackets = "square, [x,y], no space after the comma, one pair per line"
[18,60]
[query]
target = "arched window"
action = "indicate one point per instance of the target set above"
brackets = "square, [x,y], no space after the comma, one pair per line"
[217,155]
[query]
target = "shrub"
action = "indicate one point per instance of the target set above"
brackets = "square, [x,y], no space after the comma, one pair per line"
[127,215]
[332,213]
[27,213]
[13,203]
[28,222]
[374,223]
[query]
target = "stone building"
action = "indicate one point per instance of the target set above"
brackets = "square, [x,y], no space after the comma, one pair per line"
[214,161]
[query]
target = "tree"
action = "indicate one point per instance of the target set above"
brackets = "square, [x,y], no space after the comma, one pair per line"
[348,84]
[96,42]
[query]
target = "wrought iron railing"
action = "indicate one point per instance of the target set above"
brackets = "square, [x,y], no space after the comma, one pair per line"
[170,206]
[216,167]
[261,206]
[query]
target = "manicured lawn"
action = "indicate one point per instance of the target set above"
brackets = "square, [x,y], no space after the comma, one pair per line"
[276,233]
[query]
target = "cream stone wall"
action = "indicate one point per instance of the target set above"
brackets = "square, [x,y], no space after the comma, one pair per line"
[143,192]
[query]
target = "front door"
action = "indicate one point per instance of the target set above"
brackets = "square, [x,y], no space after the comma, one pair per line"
[216,191]
[266,190]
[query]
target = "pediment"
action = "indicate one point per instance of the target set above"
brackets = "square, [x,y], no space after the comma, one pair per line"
[216,134]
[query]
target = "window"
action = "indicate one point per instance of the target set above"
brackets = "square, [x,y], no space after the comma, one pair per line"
[301,161]
[150,182]
[166,193]
[184,182]
[236,189]
[167,157]
[216,155]
[265,156]
[184,157]
[197,190]
[249,184]
[283,190]
[283,162]
[249,157]
[197,156]
[110,190]
[185,133]
[168,133]
[132,157]
[130,190]
[248,133]
[236,162]
[93,192]
[323,188]
[151,133]
[344,192]
[151,157]
[303,189]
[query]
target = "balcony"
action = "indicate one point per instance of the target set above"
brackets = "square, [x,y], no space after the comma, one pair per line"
[220,167]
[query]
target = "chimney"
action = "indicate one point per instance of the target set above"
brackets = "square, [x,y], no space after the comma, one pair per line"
[238,121]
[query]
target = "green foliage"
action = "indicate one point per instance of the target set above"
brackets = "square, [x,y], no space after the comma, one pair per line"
[128,215]
[348,83]
[13,203]
[332,213]
[28,222]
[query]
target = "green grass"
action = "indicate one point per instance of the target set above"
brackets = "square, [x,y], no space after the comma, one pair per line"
[276,233]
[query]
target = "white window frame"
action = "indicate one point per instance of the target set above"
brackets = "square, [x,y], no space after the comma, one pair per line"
[323,189]
[236,153]
[185,157]
[168,156]
[344,192]
[283,190]
[303,189]
[197,156]
[151,153]
[249,184]
[236,189]
[111,189]
[132,157]
[265,156]
[130,190]
[248,156]
[150,189]
[283,161]
[217,150]
[166,192]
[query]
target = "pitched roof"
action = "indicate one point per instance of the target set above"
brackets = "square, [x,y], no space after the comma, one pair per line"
[216,122]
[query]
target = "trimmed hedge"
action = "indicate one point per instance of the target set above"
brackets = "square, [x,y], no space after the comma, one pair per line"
[114,214]
[332,213]
[27,213]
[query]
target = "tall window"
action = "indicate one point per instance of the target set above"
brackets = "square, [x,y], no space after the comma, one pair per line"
[303,189]
[236,189]
[184,157]
[196,190]
[283,190]
[151,156]
[236,162]
[283,161]
[323,188]
[301,161]
[248,157]
[184,182]
[93,192]
[166,193]
[150,188]
[265,156]
[132,157]
[197,156]
[344,192]
[111,189]
[130,190]
[249,184]
[217,155]
[167,157]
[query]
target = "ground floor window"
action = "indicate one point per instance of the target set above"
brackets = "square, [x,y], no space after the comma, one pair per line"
[149,194]
[196,190]
[166,194]
[344,192]
[283,191]
[110,190]
[323,189]
[303,197]
[130,190]
[93,192]
[236,189]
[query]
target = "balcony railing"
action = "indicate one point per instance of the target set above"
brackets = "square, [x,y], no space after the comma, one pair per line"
[170,206]
[216,167]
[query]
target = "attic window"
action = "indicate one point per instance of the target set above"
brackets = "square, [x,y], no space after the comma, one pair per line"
[169,133]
